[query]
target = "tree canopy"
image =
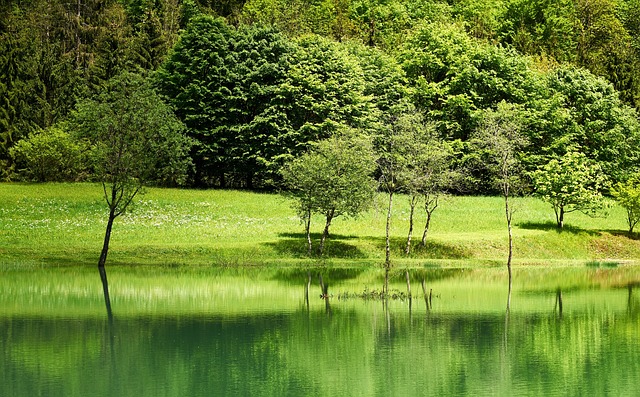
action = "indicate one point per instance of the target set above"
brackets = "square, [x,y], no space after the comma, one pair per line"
[135,140]
[258,82]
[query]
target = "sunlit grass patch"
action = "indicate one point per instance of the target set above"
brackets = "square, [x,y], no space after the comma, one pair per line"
[48,224]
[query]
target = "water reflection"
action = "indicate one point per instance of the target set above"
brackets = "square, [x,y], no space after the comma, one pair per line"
[218,333]
[558,305]
[633,305]
[105,289]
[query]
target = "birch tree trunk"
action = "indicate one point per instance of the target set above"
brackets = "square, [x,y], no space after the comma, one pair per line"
[412,204]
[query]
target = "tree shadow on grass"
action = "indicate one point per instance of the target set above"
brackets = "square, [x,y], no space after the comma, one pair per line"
[635,236]
[295,245]
[432,249]
[551,226]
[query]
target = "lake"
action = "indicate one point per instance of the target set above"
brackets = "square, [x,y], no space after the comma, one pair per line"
[205,332]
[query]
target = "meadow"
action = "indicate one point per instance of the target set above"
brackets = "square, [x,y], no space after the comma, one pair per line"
[63,225]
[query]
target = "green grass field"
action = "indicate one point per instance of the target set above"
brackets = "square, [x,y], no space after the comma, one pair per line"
[63,224]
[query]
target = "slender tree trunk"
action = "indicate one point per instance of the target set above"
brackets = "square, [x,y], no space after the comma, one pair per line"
[77,32]
[385,287]
[222,180]
[510,251]
[387,261]
[509,215]
[429,211]
[325,232]
[426,230]
[107,239]
[412,204]
[307,226]
[560,217]
[559,301]
[307,287]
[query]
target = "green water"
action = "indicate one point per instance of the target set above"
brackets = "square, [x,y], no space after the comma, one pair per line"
[211,332]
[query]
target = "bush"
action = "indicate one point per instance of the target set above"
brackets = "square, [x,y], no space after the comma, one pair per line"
[51,155]
[628,196]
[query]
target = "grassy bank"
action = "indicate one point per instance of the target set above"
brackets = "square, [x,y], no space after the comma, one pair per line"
[63,224]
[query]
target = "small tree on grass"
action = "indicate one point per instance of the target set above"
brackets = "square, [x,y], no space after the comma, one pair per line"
[428,172]
[435,177]
[570,183]
[395,145]
[500,137]
[334,178]
[628,196]
[135,140]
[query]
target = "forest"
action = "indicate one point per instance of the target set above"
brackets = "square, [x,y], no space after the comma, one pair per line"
[227,93]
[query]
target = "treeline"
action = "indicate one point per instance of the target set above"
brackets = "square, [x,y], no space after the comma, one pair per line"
[256,83]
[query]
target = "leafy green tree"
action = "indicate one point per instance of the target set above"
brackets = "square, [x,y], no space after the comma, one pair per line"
[196,79]
[428,174]
[628,196]
[253,100]
[135,140]
[541,27]
[381,23]
[323,91]
[23,108]
[49,155]
[334,179]
[482,18]
[293,17]
[455,77]
[570,183]
[257,117]
[385,81]
[604,45]
[591,116]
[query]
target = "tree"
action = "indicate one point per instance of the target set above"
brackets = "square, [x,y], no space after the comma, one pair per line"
[135,140]
[324,91]
[587,113]
[254,99]
[628,196]
[570,183]
[454,77]
[604,46]
[394,144]
[334,178]
[500,135]
[437,178]
[197,80]
[541,27]
[428,171]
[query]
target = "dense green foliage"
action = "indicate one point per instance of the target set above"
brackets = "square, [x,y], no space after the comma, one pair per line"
[256,82]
